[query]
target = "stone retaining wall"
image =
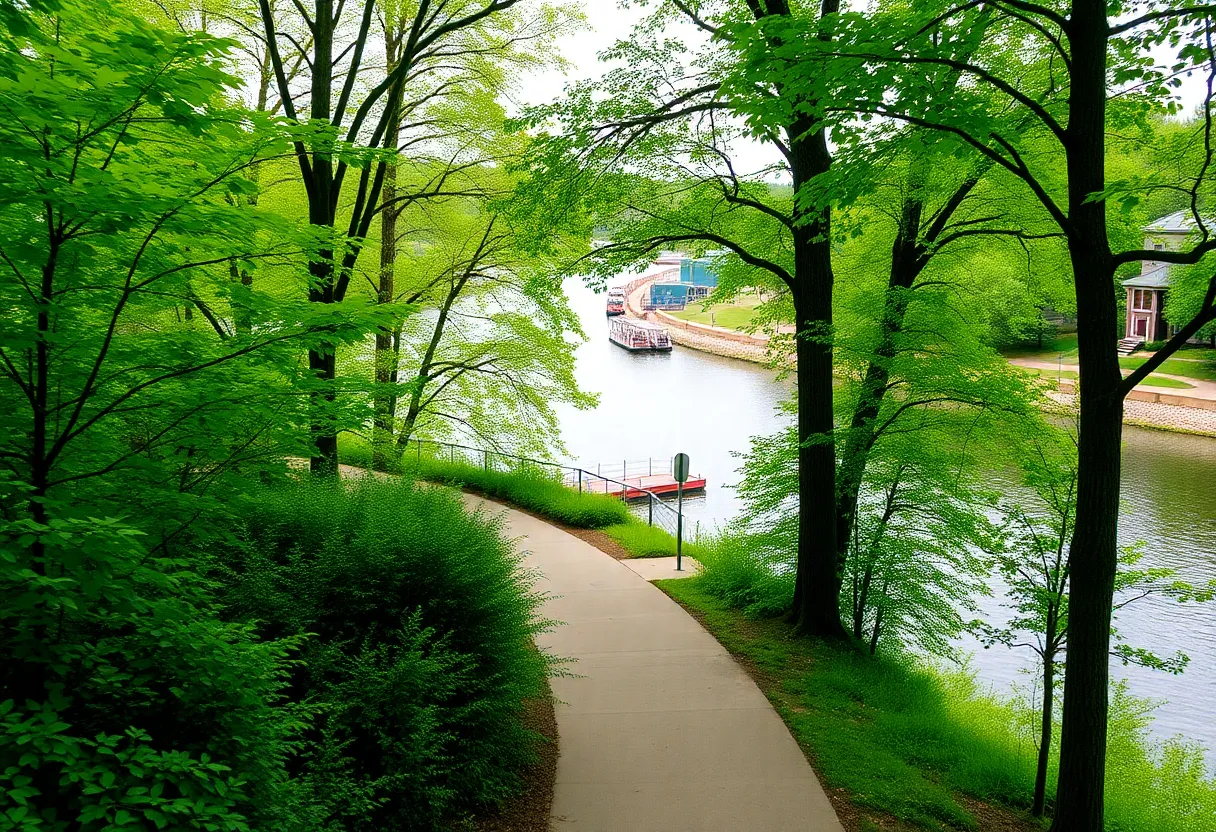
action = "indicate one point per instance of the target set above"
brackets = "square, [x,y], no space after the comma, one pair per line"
[712,331]
[1154,413]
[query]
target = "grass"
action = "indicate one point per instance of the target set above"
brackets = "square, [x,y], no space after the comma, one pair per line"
[1064,344]
[885,732]
[737,314]
[535,489]
[1153,379]
[910,746]
[644,541]
[1202,370]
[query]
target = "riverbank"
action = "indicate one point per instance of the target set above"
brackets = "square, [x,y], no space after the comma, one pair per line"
[715,340]
[1190,411]
[902,745]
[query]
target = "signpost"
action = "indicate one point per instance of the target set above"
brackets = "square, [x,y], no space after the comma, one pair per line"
[679,470]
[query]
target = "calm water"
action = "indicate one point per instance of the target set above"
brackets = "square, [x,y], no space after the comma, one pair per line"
[709,407]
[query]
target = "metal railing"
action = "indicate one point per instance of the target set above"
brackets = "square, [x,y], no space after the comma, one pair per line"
[641,501]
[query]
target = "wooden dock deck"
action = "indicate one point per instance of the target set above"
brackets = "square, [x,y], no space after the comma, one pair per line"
[636,487]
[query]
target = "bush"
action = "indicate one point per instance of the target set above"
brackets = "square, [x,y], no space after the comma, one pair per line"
[748,571]
[420,657]
[646,541]
[125,702]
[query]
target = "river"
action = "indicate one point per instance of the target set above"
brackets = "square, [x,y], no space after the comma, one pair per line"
[655,405]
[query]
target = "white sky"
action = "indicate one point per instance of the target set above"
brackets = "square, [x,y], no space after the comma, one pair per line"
[606,24]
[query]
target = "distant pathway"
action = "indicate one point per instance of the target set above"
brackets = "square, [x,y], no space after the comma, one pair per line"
[1199,389]
[661,731]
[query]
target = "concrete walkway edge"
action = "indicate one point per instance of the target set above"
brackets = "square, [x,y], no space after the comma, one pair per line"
[660,729]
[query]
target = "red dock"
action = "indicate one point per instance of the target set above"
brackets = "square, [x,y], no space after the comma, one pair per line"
[635,487]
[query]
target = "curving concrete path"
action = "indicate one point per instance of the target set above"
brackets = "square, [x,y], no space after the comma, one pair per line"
[661,731]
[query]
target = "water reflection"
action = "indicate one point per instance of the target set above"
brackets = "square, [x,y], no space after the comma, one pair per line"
[659,404]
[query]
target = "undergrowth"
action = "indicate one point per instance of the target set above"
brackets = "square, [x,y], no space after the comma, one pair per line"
[906,740]
[417,620]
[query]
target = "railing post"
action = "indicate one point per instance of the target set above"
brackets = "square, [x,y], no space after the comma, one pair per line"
[487,460]
[680,527]
[580,480]
[650,507]
[451,454]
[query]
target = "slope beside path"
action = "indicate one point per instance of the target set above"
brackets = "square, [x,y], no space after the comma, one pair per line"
[660,730]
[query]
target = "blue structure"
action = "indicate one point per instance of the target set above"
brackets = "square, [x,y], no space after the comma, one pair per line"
[698,271]
[675,295]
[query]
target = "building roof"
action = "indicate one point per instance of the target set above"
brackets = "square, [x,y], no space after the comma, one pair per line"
[1179,222]
[1158,278]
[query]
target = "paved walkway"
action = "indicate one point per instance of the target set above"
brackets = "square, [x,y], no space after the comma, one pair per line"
[1199,389]
[661,731]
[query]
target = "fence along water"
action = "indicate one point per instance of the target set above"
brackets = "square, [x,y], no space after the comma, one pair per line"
[609,479]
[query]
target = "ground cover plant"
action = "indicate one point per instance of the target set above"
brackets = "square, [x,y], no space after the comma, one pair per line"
[416,620]
[912,743]
[1201,370]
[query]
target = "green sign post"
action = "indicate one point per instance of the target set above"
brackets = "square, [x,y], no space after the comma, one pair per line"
[679,470]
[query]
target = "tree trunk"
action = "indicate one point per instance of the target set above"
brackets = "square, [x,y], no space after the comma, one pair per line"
[818,579]
[906,265]
[385,357]
[1040,777]
[1093,552]
[324,461]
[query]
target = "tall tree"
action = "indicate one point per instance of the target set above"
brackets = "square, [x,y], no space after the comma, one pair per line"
[680,123]
[1063,74]
[684,134]
[345,121]
[1033,560]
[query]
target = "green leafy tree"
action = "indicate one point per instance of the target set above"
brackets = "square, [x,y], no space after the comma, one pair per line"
[491,350]
[126,701]
[1033,560]
[1055,77]
[347,124]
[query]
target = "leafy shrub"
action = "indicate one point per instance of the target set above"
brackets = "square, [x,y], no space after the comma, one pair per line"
[749,571]
[421,652]
[646,541]
[125,702]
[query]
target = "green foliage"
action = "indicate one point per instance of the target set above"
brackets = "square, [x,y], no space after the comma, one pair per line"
[906,739]
[530,488]
[419,620]
[125,701]
[646,541]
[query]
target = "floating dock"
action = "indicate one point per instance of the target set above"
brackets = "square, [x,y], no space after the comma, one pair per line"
[636,487]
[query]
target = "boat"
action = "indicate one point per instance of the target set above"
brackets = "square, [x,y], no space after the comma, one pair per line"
[638,336]
[616,301]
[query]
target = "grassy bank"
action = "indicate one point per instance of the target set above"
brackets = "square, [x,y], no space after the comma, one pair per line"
[535,489]
[737,315]
[915,746]
[1180,365]
[1153,380]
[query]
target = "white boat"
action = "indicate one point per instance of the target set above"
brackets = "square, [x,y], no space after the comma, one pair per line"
[638,336]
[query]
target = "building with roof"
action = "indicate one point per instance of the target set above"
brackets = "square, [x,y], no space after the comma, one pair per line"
[1146,292]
